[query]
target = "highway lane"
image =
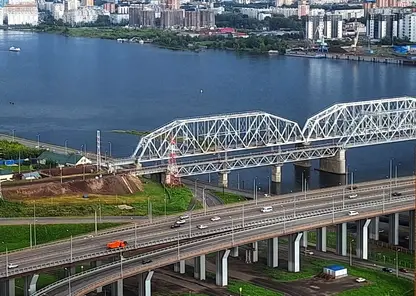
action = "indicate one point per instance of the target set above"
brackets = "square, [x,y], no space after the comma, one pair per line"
[89,245]
[69,220]
[89,280]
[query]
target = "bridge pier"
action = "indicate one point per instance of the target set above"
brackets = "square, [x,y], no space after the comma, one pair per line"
[412,230]
[8,287]
[117,288]
[294,252]
[255,249]
[394,229]
[95,264]
[335,164]
[305,163]
[277,174]
[234,252]
[223,179]
[374,228]
[341,239]
[29,284]
[145,283]
[362,238]
[304,239]
[221,277]
[321,239]
[273,252]
[199,268]
[179,267]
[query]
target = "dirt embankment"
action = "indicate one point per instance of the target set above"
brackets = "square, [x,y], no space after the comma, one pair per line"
[107,185]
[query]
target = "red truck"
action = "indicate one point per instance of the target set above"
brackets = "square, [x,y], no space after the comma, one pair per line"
[117,244]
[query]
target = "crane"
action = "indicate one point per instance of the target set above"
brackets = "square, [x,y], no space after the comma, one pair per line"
[354,45]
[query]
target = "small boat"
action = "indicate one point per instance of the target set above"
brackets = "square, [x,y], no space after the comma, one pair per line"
[17,49]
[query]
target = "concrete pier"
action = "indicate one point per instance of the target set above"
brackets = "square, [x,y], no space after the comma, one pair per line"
[179,267]
[305,163]
[145,283]
[341,237]
[223,179]
[394,229]
[7,287]
[221,277]
[273,252]
[362,238]
[321,239]
[95,264]
[29,284]
[199,268]
[335,164]
[117,288]
[277,174]
[412,230]
[234,252]
[374,228]
[255,257]
[304,239]
[294,252]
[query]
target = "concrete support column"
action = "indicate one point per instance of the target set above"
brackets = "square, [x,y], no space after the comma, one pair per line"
[277,174]
[95,264]
[145,283]
[234,252]
[394,229]
[255,257]
[294,252]
[29,284]
[179,267]
[304,239]
[374,228]
[321,239]
[273,252]
[412,230]
[362,238]
[7,287]
[221,277]
[305,163]
[341,237]
[199,268]
[335,164]
[223,179]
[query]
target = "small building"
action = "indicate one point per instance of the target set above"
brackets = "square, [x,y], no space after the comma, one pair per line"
[336,271]
[31,176]
[63,159]
[6,175]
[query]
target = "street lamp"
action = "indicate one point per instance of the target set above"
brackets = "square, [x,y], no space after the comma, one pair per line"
[351,252]
[109,144]
[270,184]
[13,132]
[135,235]
[66,146]
[178,244]
[243,217]
[204,202]
[38,136]
[70,242]
[238,180]
[284,219]
[232,230]
[397,261]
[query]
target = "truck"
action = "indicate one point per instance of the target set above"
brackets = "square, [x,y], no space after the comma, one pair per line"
[116,244]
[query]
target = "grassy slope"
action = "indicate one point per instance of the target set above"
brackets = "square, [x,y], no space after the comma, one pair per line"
[248,289]
[228,198]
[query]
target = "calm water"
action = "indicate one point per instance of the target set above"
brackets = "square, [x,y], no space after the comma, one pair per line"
[67,88]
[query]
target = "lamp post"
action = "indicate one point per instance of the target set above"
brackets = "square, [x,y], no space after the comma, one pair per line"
[232,230]
[66,146]
[178,244]
[238,180]
[7,263]
[284,219]
[204,201]
[135,235]
[333,209]
[109,144]
[343,198]
[243,217]
[13,132]
[38,136]
[71,247]
[270,184]
[397,261]
[351,252]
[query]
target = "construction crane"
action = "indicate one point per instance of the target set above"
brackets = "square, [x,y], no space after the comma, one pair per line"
[354,45]
[323,46]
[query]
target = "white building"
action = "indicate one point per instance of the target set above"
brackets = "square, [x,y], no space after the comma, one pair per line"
[408,27]
[348,14]
[328,25]
[71,5]
[123,10]
[116,18]
[58,11]
[1,16]
[22,13]
[83,15]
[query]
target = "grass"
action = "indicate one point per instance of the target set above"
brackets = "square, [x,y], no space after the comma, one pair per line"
[228,198]
[15,168]
[248,289]
[177,200]
[18,236]
[379,283]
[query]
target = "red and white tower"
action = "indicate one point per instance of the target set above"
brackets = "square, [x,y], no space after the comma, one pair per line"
[172,178]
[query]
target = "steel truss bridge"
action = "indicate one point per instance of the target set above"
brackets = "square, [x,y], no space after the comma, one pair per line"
[222,143]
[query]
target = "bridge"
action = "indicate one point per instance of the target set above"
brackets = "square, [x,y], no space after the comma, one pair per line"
[241,224]
[222,143]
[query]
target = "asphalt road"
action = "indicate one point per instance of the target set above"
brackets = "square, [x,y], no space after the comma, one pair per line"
[284,206]
[69,220]
[82,283]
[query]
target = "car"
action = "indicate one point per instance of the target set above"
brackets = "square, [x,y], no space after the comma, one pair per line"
[12,265]
[352,213]
[386,269]
[183,217]
[215,218]
[352,187]
[396,193]
[406,238]
[180,222]
[307,252]
[266,195]
[404,270]
[175,225]
[266,209]
[353,195]
[360,280]
[202,226]
[381,231]
[146,261]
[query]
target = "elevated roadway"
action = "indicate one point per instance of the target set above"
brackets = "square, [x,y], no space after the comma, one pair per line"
[278,225]
[92,247]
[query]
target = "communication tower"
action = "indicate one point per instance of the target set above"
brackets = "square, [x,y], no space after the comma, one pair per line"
[172,178]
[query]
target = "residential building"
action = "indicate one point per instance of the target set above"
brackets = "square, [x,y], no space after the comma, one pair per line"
[58,10]
[1,16]
[123,9]
[88,3]
[380,26]
[193,19]
[116,18]
[70,5]
[172,4]
[303,8]
[63,159]
[314,26]
[333,26]
[83,15]
[110,7]
[207,18]
[22,13]
[408,27]
[172,18]
[142,17]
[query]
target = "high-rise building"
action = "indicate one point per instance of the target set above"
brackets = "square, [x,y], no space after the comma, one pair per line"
[314,26]
[193,19]
[70,5]
[172,18]
[87,3]
[1,16]
[333,26]
[142,18]
[408,27]
[380,25]
[303,8]
[22,12]
[172,4]
[207,18]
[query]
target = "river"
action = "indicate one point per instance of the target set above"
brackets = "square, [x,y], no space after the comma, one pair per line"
[67,88]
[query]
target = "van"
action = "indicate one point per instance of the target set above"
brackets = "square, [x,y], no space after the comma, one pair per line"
[266,209]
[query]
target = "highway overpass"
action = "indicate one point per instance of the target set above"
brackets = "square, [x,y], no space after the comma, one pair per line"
[240,224]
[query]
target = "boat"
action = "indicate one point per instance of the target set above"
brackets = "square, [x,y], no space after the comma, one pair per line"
[17,49]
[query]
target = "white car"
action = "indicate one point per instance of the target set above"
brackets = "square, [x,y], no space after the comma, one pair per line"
[353,195]
[352,213]
[266,195]
[360,280]
[180,221]
[307,252]
[266,209]
[184,217]
[202,226]
[215,218]
[12,265]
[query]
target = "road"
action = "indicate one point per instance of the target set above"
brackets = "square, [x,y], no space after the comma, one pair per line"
[70,220]
[89,280]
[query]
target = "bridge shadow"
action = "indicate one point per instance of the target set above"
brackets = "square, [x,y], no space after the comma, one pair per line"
[330,180]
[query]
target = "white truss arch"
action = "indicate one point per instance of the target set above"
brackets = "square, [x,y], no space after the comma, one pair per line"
[364,123]
[216,134]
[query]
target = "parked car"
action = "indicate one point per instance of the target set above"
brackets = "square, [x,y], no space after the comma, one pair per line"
[404,270]
[396,194]
[175,225]
[360,280]
[352,213]
[215,218]
[386,269]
